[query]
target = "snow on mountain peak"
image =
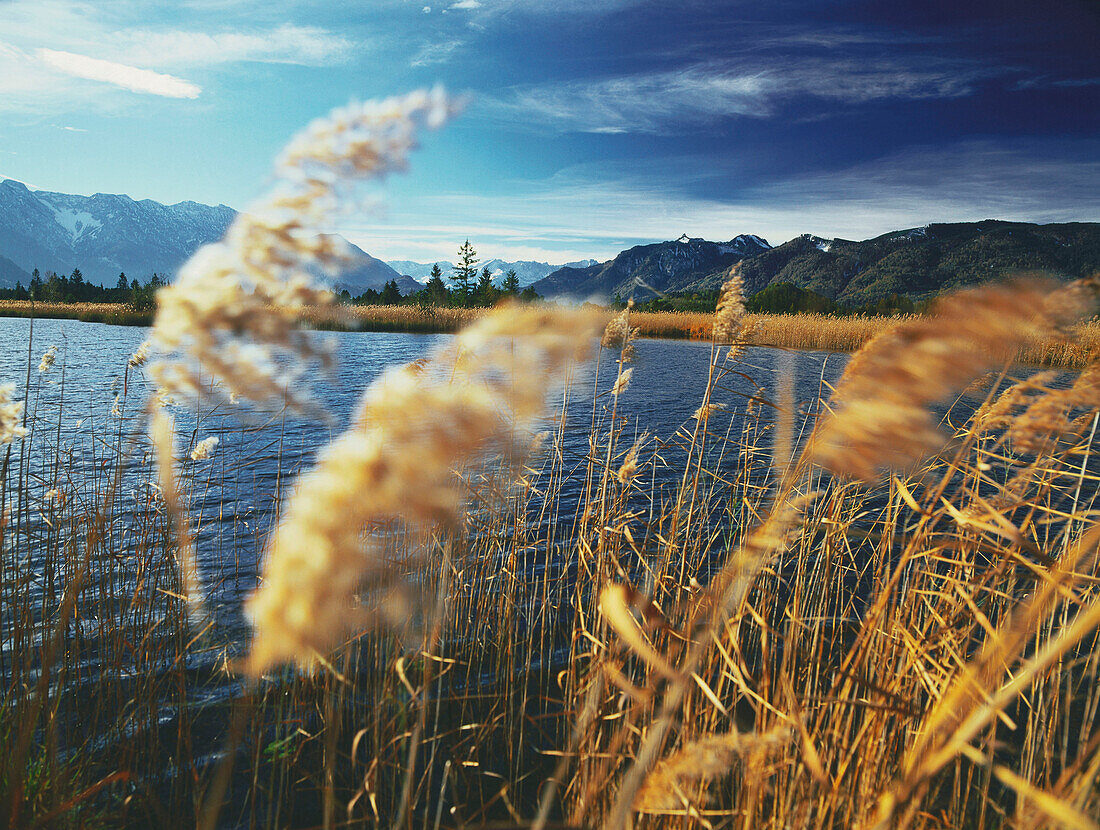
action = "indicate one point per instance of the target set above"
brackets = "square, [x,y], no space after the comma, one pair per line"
[76,222]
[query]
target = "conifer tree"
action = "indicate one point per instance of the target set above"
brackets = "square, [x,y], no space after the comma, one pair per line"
[465,272]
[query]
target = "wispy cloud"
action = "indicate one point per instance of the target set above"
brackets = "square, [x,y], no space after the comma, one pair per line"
[578,214]
[668,101]
[305,45]
[119,74]
[436,53]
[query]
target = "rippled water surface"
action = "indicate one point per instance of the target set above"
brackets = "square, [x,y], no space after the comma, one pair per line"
[234,495]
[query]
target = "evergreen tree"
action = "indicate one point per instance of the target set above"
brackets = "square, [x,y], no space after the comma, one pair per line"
[436,291]
[122,284]
[36,285]
[485,293]
[54,289]
[465,272]
[390,294]
[77,287]
[511,282]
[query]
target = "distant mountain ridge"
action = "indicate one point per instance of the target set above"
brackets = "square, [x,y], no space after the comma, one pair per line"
[528,271]
[915,263]
[921,262]
[106,234]
[644,271]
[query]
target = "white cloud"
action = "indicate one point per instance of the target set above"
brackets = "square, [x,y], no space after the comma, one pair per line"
[466,4]
[119,74]
[120,34]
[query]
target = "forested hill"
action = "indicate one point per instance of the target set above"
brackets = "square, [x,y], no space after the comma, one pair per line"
[915,263]
[925,261]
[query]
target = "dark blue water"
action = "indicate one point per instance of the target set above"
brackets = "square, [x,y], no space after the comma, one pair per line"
[234,495]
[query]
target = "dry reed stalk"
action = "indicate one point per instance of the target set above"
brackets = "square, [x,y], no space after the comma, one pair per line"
[881,416]
[396,463]
[163,434]
[233,311]
[722,599]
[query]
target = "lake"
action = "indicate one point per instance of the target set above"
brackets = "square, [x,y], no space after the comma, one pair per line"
[233,495]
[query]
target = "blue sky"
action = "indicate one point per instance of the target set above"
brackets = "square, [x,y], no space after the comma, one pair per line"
[592,125]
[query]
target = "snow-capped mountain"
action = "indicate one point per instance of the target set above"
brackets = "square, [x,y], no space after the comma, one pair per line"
[104,235]
[528,271]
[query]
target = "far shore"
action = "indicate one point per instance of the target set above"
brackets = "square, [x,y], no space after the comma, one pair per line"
[815,332]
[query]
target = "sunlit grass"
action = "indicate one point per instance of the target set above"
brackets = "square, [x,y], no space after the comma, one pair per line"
[792,331]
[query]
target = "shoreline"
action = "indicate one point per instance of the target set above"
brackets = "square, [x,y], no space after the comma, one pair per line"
[814,332]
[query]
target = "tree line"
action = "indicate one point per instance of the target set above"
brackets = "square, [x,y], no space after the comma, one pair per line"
[58,288]
[781,298]
[467,289]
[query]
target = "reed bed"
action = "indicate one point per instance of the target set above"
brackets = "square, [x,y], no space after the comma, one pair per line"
[815,332]
[918,651]
[876,606]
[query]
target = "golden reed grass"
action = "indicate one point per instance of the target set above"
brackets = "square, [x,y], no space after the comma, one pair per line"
[882,417]
[748,641]
[415,427]
[813,332]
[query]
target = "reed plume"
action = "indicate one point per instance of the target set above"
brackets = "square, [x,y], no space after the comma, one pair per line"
[1047,419]
[48,358]
[881,408]
[140,355]
[234,309]
[730,311]
[698,761]
[204,449]
[622,382]
[11,415]
[414,428]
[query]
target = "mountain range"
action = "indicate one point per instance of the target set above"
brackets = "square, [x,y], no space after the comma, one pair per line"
[528,271]
[916,263]
[644,271]
[105,234]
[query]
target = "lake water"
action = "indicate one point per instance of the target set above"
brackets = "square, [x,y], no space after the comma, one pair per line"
[233,495]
